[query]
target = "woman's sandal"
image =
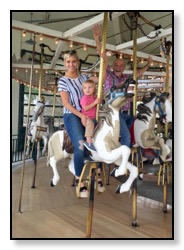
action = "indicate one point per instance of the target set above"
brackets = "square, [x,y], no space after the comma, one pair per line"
[83,192]
[101,187]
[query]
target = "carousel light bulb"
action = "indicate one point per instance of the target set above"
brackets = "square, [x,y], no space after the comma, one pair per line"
[24,33]
[71,44]
[121,56]
[56,40]
[41,37]
[142,60]
[84,47]
[109,53]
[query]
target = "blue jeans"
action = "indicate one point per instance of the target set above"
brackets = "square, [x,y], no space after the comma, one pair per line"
[76,131]
[125,123]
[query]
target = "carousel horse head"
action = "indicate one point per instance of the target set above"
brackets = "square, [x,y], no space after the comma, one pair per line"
[39,108]
[122,91]
[163,107]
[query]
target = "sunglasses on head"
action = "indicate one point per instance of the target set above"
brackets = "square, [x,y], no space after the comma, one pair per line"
[72,52]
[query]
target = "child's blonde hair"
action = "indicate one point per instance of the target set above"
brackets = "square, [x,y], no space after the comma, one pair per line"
[90,82]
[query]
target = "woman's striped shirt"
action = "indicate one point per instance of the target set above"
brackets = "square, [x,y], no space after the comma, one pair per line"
[74,89]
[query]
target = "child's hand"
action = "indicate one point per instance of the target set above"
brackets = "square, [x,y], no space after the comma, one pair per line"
[98,101]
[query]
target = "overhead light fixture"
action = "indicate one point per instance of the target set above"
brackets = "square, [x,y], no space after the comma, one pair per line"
[24,33]
[109,53]
[84,47]
[56,40]
[41,37]
[71,44]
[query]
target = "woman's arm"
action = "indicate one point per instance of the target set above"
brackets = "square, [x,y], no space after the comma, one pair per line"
[95,78]
[66,103]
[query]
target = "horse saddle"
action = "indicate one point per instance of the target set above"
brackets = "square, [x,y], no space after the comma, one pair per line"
[67,143]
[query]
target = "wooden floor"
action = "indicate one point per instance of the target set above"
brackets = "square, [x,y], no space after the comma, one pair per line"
[56,212]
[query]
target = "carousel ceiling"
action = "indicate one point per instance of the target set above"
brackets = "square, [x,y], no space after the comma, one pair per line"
[62,31]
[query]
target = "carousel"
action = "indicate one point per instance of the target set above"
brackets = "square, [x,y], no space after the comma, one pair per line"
[136,202]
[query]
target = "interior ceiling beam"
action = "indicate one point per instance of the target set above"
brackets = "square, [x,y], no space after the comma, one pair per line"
[36,29]
[57,54]
[53,34]
[88,24]
[145,56]
[144,39]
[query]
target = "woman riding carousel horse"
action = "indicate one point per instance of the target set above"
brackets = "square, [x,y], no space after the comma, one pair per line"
[70,89]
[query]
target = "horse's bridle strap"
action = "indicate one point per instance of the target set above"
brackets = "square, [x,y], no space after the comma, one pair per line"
[157,103]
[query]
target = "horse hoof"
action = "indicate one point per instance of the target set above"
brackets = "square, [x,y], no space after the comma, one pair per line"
[52,184]
[118,189]
[161,161]
[113,172]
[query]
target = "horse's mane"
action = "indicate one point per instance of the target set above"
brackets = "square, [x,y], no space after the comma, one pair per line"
[148,99]
[143,111]
[104,114]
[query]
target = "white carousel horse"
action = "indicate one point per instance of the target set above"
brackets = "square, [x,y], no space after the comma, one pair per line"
[105,140]
[144,125]
[37,128]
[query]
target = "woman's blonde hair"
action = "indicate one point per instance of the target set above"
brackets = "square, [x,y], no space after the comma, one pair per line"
[71,53]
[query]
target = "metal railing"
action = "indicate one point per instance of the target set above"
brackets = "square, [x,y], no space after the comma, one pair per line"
[18,149]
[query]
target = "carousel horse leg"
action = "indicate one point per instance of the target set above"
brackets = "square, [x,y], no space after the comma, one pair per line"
[164,153]
[56,176]
[28,146]
[35,165]
[45,139]
[38,149]
[132,176]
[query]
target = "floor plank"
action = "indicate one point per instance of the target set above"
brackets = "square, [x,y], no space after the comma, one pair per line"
[56,212]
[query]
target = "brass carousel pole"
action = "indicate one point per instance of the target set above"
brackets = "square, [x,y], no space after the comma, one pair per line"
[104,38]
[37,142]
[41,70]
[165,165]
[28,113]
[54,101]
[100,84]
[167,47]
[134,194]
